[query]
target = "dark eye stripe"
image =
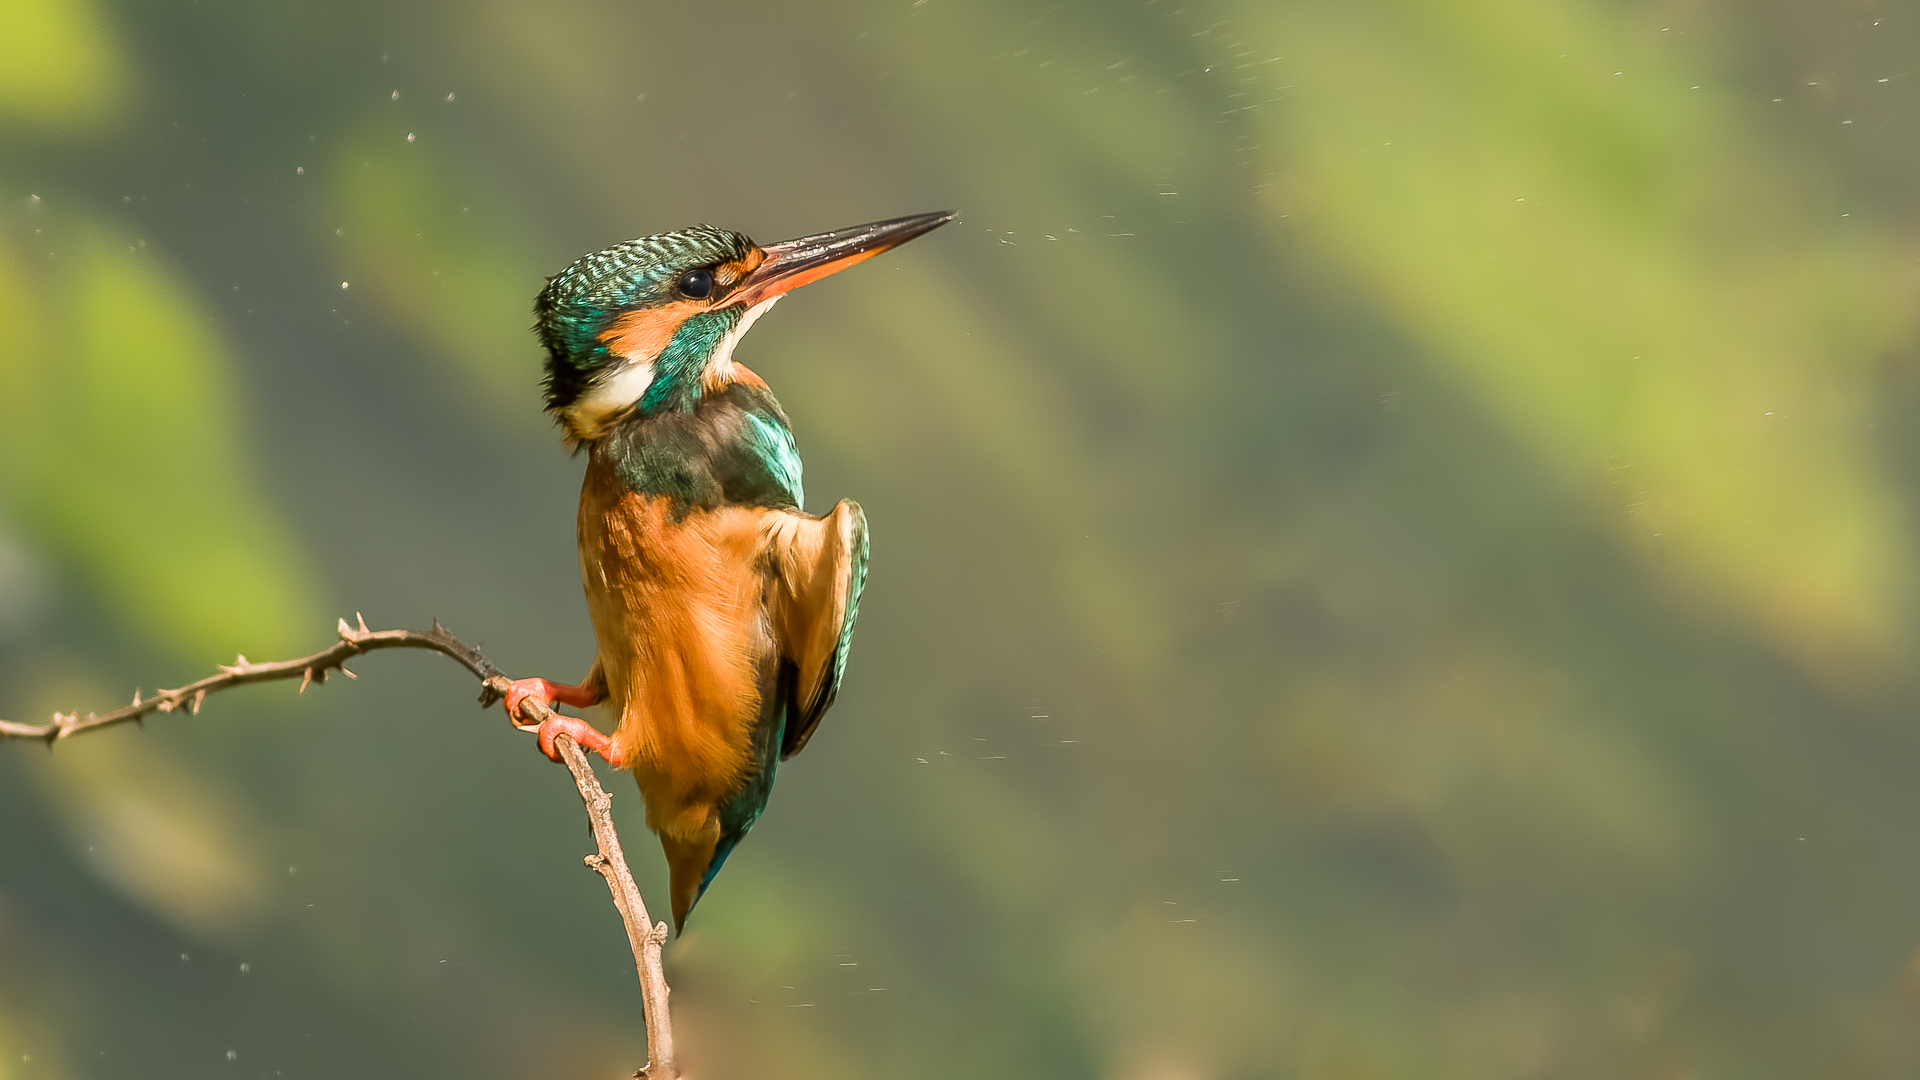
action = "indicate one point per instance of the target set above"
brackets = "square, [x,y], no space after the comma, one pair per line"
[696,284]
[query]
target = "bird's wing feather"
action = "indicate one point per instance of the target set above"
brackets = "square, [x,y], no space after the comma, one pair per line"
[820,567]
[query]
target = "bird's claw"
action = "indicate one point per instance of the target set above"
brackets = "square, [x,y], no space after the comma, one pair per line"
[520,691]
[523,693]
[579,731]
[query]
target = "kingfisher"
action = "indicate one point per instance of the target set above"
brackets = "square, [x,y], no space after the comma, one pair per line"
[721,609]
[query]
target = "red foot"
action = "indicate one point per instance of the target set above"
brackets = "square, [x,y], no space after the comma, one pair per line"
[581,732]
[547,693]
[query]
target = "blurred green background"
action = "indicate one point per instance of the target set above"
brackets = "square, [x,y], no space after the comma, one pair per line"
[1392,536]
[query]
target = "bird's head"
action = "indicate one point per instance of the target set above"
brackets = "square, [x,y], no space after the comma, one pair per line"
[650,324]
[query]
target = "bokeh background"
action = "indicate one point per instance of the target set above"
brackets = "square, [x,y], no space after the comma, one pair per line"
[1393,535]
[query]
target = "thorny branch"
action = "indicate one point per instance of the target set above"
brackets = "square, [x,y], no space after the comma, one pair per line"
[308,669]
[645,937]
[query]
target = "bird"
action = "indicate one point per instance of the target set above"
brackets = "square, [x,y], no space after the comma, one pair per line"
[722,611]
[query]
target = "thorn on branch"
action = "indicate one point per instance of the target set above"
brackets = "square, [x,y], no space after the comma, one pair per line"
[348,674]
[309,669]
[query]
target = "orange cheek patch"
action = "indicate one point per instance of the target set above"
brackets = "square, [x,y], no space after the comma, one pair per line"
[730,274]
[642,335]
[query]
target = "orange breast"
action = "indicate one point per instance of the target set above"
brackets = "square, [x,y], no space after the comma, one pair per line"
[679,613]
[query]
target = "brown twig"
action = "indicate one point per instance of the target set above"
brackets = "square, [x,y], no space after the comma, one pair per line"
[609,861]
[646,938]
[354,641]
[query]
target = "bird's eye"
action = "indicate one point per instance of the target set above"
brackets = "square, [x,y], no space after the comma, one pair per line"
[697,284]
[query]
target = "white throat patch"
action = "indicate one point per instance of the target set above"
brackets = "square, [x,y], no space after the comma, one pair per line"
[722,362]
[606,399]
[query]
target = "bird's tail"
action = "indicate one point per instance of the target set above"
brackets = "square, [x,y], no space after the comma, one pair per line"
[687,865]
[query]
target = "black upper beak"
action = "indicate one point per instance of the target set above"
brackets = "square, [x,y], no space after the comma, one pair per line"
[793,263]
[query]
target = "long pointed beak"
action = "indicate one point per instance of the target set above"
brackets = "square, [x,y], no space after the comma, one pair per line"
[793,263]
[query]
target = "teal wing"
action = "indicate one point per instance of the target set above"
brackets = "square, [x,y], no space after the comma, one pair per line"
[820,566]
